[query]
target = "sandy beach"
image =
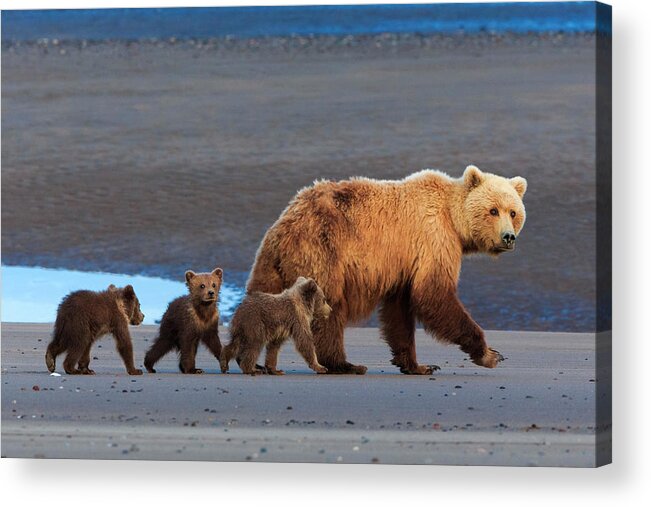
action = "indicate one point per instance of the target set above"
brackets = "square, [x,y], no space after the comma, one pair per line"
[538,408]
[153,157]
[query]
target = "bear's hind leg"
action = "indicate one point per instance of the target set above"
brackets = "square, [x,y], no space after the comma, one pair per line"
[72,359]
[160,347]
[53,350]
[329,342]
[247,357]
[398,327]
[84,361]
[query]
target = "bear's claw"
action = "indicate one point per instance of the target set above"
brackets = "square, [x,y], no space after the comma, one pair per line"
[490,359]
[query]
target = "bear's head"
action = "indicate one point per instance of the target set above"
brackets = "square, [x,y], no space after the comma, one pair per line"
[493,211]
[204,287]
[130,303]
[313,297]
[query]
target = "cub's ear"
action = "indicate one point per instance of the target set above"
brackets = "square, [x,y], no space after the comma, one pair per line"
[472,176]
[520,185]
[308,289]
[218,272]
[112,288]
[128,292]
[189,275]
[300,280]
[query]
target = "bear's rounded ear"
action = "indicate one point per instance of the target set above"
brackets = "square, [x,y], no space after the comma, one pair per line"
[112,288]
[300,280]
[472,176]
[218,272]
[308,289]
[128,292]
[189,275]
[520,185]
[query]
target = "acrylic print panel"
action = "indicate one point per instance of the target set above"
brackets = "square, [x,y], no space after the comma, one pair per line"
[140,144]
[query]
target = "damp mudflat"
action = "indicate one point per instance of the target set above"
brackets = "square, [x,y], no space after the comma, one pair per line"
[153,157]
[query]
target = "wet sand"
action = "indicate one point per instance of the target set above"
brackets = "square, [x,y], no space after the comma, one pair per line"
[537,408]
[155,157]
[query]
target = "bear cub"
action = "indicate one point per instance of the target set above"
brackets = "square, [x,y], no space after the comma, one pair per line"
[269,319]
[188,320]
[85,316]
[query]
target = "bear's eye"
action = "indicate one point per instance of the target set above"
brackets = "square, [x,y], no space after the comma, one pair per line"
[512,214]
[213,286]
[203,286]
[494,212]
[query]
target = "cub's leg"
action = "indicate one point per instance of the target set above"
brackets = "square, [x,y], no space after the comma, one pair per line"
[72,359]
[84,361]
[227,354]
[188,349]
[271,357]
[248,355]
[304,343]
[53,350]
[125,348]
[211,340]
[159,348]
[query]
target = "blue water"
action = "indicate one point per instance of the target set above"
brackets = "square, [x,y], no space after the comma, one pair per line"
[100,24]
[33,294]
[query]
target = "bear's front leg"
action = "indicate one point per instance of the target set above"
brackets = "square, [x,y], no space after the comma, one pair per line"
[125,348]
[398,328]
[448,320]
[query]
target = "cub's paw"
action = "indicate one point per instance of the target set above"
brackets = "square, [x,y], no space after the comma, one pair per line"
[421,369]
[320,369]
[490,359]
[274,371]
[346,369]
[136,371]
[86,371]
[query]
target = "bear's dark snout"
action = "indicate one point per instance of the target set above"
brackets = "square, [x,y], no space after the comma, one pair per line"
[508,239]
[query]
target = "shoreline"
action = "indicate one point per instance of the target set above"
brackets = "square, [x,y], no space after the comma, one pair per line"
[383,44]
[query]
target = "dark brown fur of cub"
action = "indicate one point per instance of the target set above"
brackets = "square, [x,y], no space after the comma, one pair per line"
[269,319]
[85,316]
[188,320]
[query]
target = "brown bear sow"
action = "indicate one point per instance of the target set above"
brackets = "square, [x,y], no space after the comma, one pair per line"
[188,320]
[396,244]
[85,316]
[269,319]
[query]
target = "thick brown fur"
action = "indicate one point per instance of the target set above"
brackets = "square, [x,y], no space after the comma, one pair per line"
[268,320]
[189,320]
[85,316]
[393,244]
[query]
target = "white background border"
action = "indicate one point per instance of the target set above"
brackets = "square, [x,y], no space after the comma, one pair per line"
[626,482]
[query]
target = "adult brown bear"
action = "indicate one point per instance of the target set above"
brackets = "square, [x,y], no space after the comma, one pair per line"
[397,244]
